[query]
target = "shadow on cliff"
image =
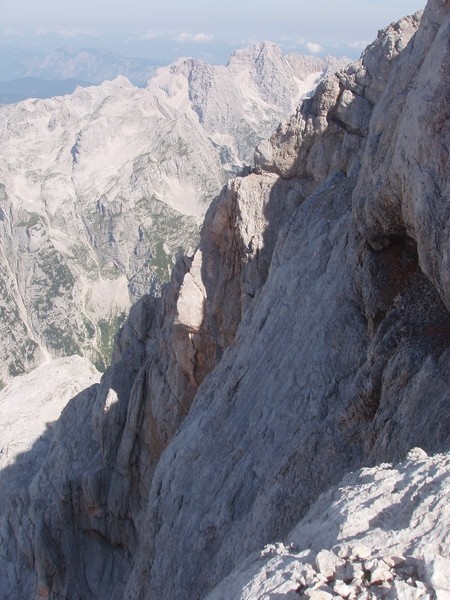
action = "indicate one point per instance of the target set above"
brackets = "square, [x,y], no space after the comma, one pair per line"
[400,394]
[17,476]
[393,395]
[237,258]
[52,497]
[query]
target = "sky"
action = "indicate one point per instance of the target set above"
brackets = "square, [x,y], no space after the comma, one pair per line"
[165,30]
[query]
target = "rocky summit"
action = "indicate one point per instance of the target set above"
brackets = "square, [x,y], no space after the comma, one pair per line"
[378,534]
[277,423]
[102,190]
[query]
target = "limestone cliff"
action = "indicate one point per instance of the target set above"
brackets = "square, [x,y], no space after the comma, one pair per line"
[309,335]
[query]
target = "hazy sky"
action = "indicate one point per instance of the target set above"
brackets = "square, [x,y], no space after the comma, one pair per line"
[171,28]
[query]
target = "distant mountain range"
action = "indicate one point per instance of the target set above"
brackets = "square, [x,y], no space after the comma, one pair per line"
[59,72]
[33,87]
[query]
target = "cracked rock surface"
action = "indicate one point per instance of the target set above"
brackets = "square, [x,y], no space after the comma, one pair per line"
[380,533]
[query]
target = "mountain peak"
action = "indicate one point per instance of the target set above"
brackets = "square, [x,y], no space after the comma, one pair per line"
[250,53]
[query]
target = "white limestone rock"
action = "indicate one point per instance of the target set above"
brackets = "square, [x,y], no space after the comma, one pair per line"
[319,595]
[396,561]
[350,572]
[436,573]
[395,198]
[328,133]
[380,573]
[343,590]
[426,528]
[326,564]
[361,552]
[403,591]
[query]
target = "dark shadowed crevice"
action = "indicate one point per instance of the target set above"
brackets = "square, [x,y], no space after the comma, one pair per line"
[409,334]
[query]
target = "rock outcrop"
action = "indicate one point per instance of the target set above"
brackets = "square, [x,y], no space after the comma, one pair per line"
[308,336]
[381,533]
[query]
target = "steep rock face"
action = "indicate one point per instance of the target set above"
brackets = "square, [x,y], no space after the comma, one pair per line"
[330,130]
[407,193]
[162,354]
[101,191]
[290,349]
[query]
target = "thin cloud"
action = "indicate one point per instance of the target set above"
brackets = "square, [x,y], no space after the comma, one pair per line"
[313,47]
[198,38]
[67,32]
[357,45]
[152,35]
[184,36]
[13,32]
